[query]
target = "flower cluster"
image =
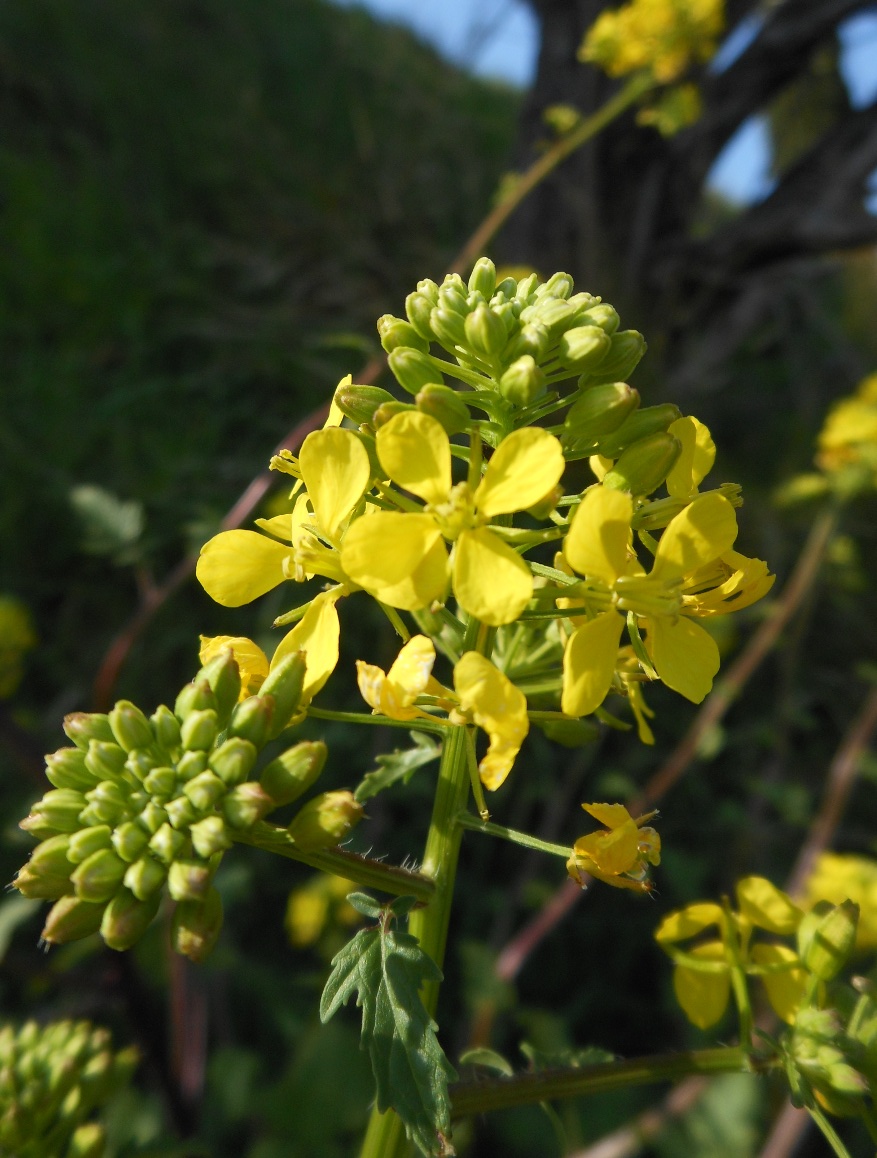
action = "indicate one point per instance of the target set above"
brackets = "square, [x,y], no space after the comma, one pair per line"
[52,1079]
[139,803]
[440,506]
[664,37]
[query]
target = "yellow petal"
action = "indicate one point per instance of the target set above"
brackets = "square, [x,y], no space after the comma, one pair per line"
[335,468]
[700,533]
[785,987]
[491,581]
[766,906]
[609,815]
[524,468]
[597,540]
[684,655]
[251,660]
[703,996]
[415,451]
[236,567]
[336,414]
[394,693]
[688,922]
[612,852]
[413,665]
[280,526]
[398,558]
[498,707]
[696,460]
[589,663]
[317,635]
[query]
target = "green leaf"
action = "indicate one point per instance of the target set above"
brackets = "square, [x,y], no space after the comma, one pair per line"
[385,967]
[489,1058]
[398,765]
[109,525]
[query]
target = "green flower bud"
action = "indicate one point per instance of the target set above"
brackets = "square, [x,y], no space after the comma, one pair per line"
[602,315]
[182,812]
[140,763]
[643,422]
[532,339]
[87,841]
[52,857]
[210,836]
[827,937]
[88,1141]
[294,771]
[394,332]
[413,369]
[199,731]
[58,811]
[107,804]
[483,277]
[71,919]
[161,782]
[523,381]
[42,886]
[445,406]
[325,821]
[144,877]
[284,682]
[152,817]
[66,769]
[126,919]
[449,328]
[190,765]
[196,926]
[224,679]
[559,285]
[452,294]
[189,880]
[358,403]
[167,844]
[251,720]
[389,410]
[583,348]
[203,791]
[234,760]
[556,315]
[195,697]
[80,727]
[628,347]
[99,876]
[166,728]
[485,333]
[246,804]
[418,307]
[129,840]
[599,411]
[644,465]
[104,761]
[130,726]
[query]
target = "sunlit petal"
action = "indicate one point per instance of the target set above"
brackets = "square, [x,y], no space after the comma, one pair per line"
[317,635]
[498,707]
[236,567]
[703,996]
[700,533]
[491,581]
[523,469]
[335,468]
[415,451]
[696,460]
[589,663]
[398,558]
[785,987]
[684,655]
[251,660]
[597,541]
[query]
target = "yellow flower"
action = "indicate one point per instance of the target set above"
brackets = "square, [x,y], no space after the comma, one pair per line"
[839,877]
[618,854]
[664,36]
[238,566]
[598,546]
[702,976]
[729,583]
[400,557]
[316,634]
[498,707]
[849,435]
[393,693]
[251,660]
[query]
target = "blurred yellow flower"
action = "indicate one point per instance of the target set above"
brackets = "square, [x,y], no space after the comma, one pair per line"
[664,37]
[839,877]
[849,435]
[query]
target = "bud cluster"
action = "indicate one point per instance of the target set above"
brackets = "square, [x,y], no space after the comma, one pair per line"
[139,803]
[52,1078]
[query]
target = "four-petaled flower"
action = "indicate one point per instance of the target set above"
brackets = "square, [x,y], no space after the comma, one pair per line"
[619,853]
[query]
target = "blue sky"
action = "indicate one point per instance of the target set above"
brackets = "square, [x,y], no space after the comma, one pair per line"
[498,38]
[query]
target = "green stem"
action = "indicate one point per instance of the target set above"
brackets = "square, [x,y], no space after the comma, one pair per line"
[419,725]
[372,874]
[489,1094]
[828,1131]
[467,820]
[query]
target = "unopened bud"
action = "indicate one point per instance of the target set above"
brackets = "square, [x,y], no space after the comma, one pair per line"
[182,812]
[445,406]
[643,466]
[166,728]
[325,821]
[140,763]
[294,771]
[86,841]
[52,857]
[599,411]
[485,332]
[584,348]
[827,937]
[223,677]
[628,347]
[234,760]
[99,876]
[127,918]
[452,293]
[418,307]
[203,791]
[388,410]
[559,285]
[358,403]
[70,919]
[449,327]
[196,926]
[413,369]
[602,315]
[130,726]
[41,886]
[58,811]
[66,769]
[161,782]
[199,731]
[195,697]
[522,382]
[189,880]
[252,718]
[284,682]
[190,765]
[152,817]
[105,761]
[167,843]
[107,804]
[80,727]
[246,804]
[394,332]
[88,1141]
[643,422]
[210,836]
[144,877]
[483,277]
[129,840]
